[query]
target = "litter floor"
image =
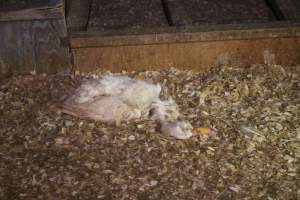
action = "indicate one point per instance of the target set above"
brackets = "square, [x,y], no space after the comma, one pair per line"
[45,154]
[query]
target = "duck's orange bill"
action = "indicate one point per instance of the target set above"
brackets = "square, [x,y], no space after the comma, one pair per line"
[202,131]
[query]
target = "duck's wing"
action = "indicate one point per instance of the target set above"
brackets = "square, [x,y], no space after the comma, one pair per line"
[106,109]
[141,94]
[83,110]
[109,85]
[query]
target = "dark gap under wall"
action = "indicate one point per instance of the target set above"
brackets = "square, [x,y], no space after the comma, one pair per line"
[67,7]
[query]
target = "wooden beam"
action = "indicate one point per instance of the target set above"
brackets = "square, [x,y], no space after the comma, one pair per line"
[199,56]
[54,9]
[200,34]
[187,50]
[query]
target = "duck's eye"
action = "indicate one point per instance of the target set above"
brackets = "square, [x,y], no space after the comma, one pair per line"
[151,112]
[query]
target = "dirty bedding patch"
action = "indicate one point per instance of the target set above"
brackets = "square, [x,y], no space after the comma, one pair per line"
[45,154]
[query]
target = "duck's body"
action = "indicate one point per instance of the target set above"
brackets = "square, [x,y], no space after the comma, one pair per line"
[136,93]
[113,99]
[106,109]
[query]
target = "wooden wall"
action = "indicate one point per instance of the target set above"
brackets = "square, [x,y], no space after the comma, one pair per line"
[34,40]
[190,49]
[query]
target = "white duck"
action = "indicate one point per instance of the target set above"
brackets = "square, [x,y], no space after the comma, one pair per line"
[114,98]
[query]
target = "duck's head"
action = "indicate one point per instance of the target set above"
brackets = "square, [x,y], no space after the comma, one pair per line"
[164,110]
[179,129]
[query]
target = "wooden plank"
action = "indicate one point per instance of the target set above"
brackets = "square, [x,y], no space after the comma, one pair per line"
[54,9]
[199,56]
[33,46]
[78,14]
[199,12]
[34,39]
[195,48]
[13,5]
[193,34]
[120,14]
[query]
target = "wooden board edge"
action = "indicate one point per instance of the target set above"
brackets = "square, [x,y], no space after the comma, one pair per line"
[94,40]
[51,10]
